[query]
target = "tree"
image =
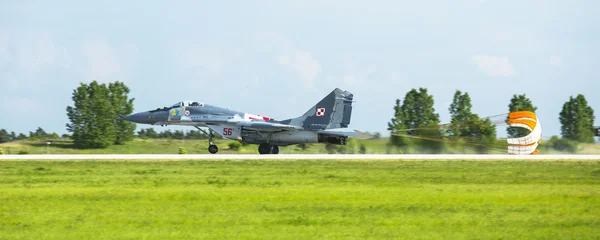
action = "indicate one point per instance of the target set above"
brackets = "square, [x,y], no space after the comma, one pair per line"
[195,134]
[165,134]
[4,136]
[101,129]
[122,106]
[482,133]
[178,134]
[40,132]
[460,112]
[142,133]
[151,133]
[577,120]
[466,124]
[80,115]
[519,103]
[397,123]
[376,135]
[93,118]
[416,117]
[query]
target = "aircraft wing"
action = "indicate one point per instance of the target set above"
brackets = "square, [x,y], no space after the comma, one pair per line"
[268,126]
[275,127]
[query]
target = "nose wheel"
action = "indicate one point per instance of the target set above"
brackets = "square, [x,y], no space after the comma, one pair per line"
[265,148]
[213,149]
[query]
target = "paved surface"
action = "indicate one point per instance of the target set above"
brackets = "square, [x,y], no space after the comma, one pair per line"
[297,156]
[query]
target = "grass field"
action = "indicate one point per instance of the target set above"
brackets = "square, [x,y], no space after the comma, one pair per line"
[165,146]
[299,200]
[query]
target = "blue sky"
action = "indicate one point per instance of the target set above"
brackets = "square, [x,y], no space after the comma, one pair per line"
[278,58]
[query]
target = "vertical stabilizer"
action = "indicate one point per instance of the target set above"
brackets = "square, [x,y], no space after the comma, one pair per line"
[333,111]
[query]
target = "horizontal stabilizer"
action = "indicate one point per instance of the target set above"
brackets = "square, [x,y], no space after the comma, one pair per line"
[338,132]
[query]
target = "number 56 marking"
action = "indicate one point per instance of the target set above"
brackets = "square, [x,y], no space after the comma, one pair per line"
[227,131]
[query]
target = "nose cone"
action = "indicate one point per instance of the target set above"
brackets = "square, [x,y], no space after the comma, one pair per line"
[141,117]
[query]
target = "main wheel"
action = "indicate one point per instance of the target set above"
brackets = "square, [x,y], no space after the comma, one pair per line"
[213,149]
[264,148]
[343,141]
[275,150]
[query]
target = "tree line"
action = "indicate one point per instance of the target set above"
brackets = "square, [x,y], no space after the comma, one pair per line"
[416,125]
[177,134]
[145,133]
[96,120]
[39,133]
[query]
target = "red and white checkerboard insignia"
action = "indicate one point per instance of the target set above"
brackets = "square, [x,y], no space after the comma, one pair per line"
[320,111]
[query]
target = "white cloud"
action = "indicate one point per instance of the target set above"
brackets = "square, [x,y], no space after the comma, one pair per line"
[103,63]
[304,65]
[555,60]
[297,60]
[494,66]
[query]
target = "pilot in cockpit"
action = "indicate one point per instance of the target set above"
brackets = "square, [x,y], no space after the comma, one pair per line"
[197,104]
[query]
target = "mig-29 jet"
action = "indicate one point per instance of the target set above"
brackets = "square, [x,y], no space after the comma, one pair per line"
[325,122]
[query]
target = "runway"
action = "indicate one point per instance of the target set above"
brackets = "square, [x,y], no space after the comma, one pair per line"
[200,157]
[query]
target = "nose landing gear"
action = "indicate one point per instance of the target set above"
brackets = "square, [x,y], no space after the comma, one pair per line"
[212,147]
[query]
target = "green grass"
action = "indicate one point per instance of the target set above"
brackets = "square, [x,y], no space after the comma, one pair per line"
[299,200]
[171,146]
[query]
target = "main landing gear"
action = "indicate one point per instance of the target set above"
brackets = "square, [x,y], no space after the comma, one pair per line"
[265,148]
[212,147]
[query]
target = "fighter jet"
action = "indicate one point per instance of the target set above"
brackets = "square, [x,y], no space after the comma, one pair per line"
[325,122]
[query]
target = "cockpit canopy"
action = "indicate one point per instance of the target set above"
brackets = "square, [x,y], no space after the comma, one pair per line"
[188,103]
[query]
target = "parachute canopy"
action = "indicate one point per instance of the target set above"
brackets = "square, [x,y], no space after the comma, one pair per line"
[529,143]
